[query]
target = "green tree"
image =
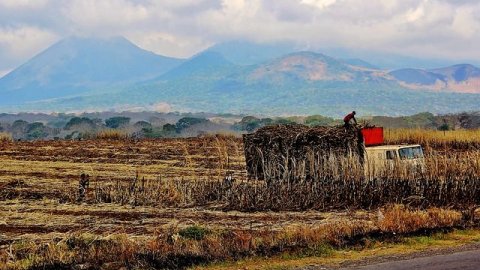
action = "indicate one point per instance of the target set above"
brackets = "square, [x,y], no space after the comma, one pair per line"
[19,128]
[251,123]
[283,121]
[444,126]
[145,128]
[118,121]
[187,122]
[142,125]
[318,120]
[79,121]
[19,124]
[36,130]
[169,130]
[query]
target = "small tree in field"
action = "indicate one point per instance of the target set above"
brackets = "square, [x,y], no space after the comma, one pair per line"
[187,122]
[116,122]
[36,130]
[79,122]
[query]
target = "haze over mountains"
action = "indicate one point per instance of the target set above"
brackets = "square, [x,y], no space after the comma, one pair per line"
[79,74]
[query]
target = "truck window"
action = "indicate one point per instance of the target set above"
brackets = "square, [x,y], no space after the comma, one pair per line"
[391,154]
[417,152]
[410,152]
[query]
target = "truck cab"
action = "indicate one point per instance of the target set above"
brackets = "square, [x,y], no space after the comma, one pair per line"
[412,153]
[380,157]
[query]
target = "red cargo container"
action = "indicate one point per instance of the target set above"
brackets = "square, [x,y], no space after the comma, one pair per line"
[373,136]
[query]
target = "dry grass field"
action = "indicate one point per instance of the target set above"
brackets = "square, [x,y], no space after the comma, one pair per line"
[456,140]
[165,203]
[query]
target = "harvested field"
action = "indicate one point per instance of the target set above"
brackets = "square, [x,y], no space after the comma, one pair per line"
[143,193]
[44,166]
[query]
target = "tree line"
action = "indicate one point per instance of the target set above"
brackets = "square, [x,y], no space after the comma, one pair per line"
[81,127]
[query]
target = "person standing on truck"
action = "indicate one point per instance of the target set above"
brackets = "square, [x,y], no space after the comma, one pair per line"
[348,118]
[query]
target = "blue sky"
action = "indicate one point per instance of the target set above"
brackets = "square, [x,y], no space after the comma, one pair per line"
[445,29]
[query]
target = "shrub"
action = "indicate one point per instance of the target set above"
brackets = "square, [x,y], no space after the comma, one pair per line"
[194,233]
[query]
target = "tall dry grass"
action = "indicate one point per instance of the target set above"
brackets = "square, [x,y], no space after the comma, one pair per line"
[435,139]
[5,137]
[338,184]
[179,248]
[111,134]
[400,219]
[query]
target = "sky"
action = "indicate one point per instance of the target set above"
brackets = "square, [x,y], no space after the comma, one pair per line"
[443,29]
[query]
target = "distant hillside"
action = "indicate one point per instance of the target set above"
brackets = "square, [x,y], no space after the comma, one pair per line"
[360,63]
[459,73]
[203,64]
[417,77]
[248,53]
[74,66]
[298,83]
[458,78]
[83,74]
[312,67]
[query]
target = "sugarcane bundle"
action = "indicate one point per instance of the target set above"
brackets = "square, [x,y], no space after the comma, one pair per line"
[297,151]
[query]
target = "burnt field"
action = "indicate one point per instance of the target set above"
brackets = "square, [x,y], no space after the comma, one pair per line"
[144,194]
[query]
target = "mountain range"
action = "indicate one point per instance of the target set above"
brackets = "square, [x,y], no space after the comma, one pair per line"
[78,74]
[75,66]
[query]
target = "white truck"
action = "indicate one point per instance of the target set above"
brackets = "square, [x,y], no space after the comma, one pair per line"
[380,157]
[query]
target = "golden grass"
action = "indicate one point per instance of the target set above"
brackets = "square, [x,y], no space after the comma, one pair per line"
[111,134]
[433,138]
[399,219]
[375,249]
[6,137]
[171,247]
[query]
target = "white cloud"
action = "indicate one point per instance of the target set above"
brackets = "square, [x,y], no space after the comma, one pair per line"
[415,14]
[25,41]
[321,4]
[234,5]
[168,44]
[426,28]
[23,3]
[465,23]
[162,107]
[106,17]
